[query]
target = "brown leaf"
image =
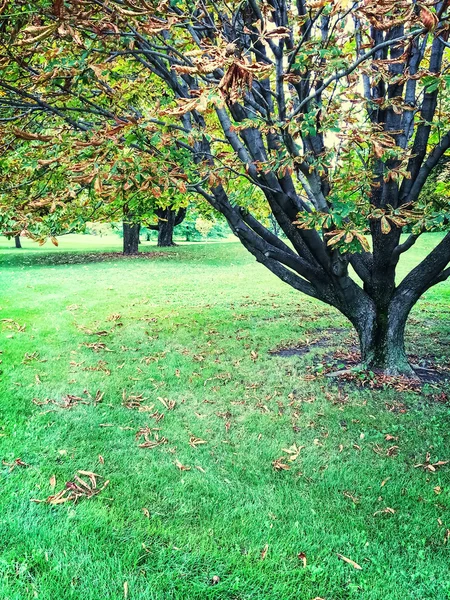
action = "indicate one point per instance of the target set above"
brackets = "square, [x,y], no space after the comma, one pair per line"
[181,467]
[17,462]
[264,551]
[98,397]
[169,404]
[429,19]
[279,464]
[195,441]
[146,512]
[350,562]
[77,489]
[387,510]
[53,482]
[302,556]
[101,460]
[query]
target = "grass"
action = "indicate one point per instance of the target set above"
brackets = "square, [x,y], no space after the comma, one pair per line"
[196,327]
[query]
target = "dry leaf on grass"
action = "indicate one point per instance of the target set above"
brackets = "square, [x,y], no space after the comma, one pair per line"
[97,346]
[195,441]
[151,438]
[67,402]
[264,551]
[302,556]
[98,397]
[114,317]
[280,465]
[76,489]
[52,482]
[169,404]
[429,466]
[293,452]
[17,462]
[387,511]
[133,401]
[181,467]
[350,562]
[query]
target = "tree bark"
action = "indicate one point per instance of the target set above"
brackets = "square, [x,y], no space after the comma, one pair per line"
[382,341]
[17,241]
[166,227]
[168,219]
[131,237]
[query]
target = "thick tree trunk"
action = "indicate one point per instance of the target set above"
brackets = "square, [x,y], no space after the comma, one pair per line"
[382,340]
[166,227]
[131,237]
[17,241]
[168,220]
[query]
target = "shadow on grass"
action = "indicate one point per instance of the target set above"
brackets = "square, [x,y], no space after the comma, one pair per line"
[77,258]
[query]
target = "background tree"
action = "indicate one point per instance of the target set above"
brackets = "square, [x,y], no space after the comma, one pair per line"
[334,111]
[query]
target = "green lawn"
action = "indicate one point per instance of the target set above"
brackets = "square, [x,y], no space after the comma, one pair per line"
[196,327]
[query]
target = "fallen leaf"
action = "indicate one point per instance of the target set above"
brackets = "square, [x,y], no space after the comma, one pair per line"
[264,551]
[17,462]
[125,589]
[146,512]
[181,467]
[350,562]
[76,489]
[53,482]
[387,510]
[279,464]
[195,441]
[302,556]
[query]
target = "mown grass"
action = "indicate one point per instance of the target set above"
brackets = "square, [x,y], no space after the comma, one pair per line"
[196,326]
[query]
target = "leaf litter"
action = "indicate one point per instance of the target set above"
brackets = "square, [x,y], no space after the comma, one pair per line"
[84,485]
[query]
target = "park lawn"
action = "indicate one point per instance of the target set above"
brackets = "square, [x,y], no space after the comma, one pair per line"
[195,327]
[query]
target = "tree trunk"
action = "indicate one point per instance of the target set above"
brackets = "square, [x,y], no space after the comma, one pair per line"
[382,340]
[17,240]
[168,220]
[165,230]
[131,237]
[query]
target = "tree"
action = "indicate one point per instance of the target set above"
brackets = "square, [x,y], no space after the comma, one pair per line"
[336,112]
[168,219]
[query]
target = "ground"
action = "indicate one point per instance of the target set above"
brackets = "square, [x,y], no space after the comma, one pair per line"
[97,350]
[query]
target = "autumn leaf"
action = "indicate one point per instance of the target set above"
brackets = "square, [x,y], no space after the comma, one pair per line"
[302,557]
[195,441]
[280,465]
[349,561]
[181,466]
